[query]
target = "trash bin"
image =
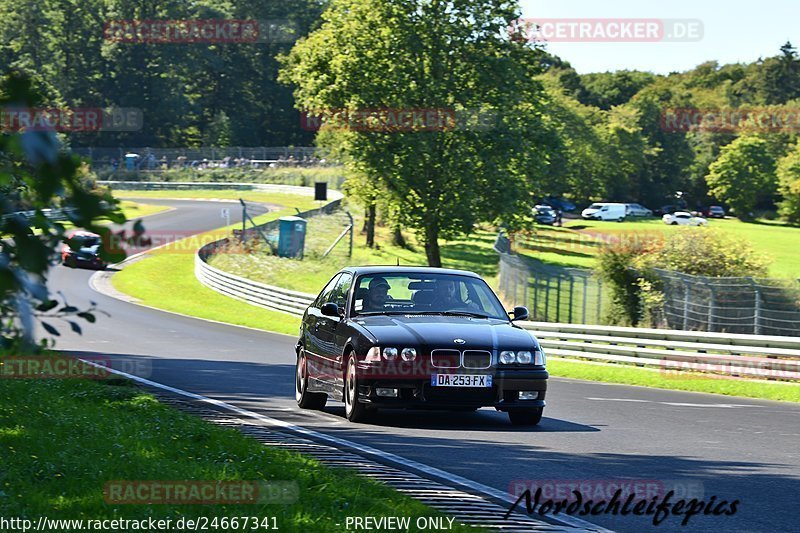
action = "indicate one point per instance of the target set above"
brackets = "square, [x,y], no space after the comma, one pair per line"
[291,237]
[130,161]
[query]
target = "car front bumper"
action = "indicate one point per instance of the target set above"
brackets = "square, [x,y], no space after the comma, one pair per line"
[417,393]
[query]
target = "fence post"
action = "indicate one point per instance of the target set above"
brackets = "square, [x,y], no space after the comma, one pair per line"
[599,300]
[585,296]
[526,279]
[757,317]
[710,305]
[244,219]
[571,294]
[685,305]
[535,293]
[558,299]
[547,300]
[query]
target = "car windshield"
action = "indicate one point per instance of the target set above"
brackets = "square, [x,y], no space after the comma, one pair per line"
[596,206]
[439,294]
[544,210]
[86,241]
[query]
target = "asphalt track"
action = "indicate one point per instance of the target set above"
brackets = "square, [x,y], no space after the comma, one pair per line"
[731,448]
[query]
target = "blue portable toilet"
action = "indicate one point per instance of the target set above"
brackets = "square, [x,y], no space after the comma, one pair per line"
[291,237]
[130,161]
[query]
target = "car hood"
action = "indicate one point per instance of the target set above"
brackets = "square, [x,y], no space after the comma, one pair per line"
[441,332]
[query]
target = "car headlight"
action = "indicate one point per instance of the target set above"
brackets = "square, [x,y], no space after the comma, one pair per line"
[373,355]
[390,354]
[507,357]
[408,354]
[524,357]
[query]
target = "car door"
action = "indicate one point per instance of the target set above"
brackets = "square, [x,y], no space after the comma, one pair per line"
[314,345]
[332,333]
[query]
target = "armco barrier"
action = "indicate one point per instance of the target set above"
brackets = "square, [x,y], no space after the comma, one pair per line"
[252,292]
[751,356]
[193,185]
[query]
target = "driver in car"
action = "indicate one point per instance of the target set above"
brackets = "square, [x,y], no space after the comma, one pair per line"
[447,295]
[377,295]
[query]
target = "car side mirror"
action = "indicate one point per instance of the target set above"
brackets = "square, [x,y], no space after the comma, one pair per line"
[330,309]
[520,313]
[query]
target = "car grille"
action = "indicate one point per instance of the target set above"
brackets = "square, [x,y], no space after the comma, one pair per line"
[477,359]
[483,395]
[446,358]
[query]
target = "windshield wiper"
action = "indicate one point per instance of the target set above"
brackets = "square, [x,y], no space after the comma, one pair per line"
[452,313]
[388,313]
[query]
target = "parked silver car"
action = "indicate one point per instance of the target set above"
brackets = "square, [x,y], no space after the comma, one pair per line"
[638,210]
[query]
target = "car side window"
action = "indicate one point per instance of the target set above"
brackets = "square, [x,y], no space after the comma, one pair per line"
[324,296]
[339,294]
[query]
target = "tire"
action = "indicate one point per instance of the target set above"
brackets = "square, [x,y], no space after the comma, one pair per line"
[304,398]
[673,224]
[354,410]
[621,219]
[526,417]
[70,262]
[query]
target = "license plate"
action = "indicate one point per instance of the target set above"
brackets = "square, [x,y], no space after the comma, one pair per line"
[460,380]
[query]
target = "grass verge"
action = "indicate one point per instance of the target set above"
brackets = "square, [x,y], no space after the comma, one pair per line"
[663,379]
[63,440]
[134,210]
[578,242]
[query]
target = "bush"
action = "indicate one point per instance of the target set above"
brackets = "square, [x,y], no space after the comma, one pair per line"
[628,266]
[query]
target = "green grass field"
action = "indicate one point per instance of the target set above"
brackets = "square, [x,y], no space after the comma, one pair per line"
[134,210]
[64,440]
[577,243]
[291,200]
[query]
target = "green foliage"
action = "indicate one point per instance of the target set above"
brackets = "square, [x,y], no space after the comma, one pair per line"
[628,263]
[704,252]
[615,265]
[432,56]
[789,185]
[37,175]
[744,171]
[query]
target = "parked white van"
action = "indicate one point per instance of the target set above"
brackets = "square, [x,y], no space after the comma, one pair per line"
[605,211]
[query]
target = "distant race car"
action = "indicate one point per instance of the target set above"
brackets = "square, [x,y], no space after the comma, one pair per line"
[86,250]
[682,218]
[715,211]
[417,338]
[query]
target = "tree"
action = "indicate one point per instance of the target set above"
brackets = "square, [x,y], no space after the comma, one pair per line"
[744,171]
[35,174]
[788,173]
[453,59]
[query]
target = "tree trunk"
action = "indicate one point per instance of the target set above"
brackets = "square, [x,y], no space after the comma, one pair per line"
[398,239]
[370,223]
[432,246]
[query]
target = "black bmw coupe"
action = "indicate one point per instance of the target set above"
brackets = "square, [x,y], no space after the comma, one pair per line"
[417,338]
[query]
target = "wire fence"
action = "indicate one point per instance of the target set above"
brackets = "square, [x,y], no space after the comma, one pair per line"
[733,305]
[551,294]
[746,305]
[160,159]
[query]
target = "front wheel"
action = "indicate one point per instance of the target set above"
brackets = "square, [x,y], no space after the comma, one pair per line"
[305,399]
[354,410]
[526,417]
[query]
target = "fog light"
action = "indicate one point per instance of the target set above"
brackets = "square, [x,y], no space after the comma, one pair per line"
[528,395]
[388,393]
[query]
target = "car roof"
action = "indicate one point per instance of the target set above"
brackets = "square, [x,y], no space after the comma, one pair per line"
[682,213]
[389,269]
[82,233]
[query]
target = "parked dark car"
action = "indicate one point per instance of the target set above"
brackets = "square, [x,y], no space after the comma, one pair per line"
[417,338]
[667,209]
[544,214]
[714,211]
[84,251]
[562,204]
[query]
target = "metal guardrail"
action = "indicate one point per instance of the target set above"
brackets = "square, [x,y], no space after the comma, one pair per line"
[57,215]
[252,292]
[750,356]
[189,185]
